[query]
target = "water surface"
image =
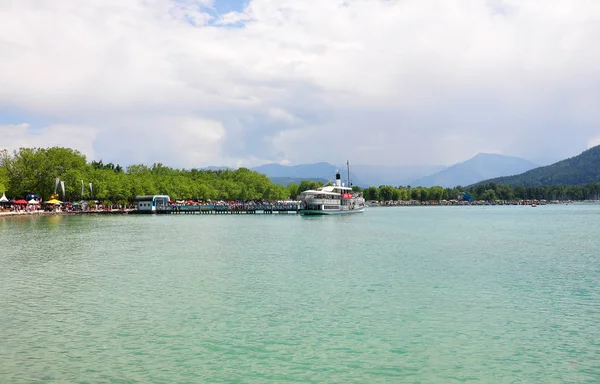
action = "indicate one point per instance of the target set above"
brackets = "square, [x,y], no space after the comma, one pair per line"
[408,294]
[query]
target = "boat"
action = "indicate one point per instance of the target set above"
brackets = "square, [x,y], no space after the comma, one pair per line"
[332,199]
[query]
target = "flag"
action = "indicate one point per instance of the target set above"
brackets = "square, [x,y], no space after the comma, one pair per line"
[56,185]
[91,190]
[82,189]
[62,185]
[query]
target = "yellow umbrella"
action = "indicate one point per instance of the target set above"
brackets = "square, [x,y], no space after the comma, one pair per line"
[53,201]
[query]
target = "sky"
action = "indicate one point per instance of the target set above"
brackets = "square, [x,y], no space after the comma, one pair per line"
[193,83]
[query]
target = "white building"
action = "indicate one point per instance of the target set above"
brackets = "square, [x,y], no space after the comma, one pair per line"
[151,203]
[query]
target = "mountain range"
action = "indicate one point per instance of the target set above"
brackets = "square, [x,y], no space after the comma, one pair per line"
[376,175]
[285,174]
[296,180]
[578,170]
[482,166]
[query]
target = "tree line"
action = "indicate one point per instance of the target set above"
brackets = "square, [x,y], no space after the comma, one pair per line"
[35,170]
[486,192]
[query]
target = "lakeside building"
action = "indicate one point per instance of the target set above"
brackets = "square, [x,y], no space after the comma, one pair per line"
[150,203]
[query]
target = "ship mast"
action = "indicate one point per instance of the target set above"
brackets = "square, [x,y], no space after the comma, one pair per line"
[348,166]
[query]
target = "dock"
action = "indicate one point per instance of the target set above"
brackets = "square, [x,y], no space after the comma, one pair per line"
[227,209]
[219,209]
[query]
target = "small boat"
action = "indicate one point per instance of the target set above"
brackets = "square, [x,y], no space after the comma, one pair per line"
[332,199]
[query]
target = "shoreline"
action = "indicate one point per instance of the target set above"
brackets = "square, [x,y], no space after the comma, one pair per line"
[64,213]
[406,204]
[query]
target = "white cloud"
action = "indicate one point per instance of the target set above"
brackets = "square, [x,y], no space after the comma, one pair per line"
[81,138]
[391,82]
[171,140]
[233,18]
[281,115]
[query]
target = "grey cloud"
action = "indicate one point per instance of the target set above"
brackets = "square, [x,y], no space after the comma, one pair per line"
[380,82]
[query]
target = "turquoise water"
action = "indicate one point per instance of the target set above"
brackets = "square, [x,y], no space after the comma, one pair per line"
[396,295]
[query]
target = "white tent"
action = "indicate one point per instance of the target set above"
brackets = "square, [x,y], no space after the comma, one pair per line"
[32,201]
[3,199]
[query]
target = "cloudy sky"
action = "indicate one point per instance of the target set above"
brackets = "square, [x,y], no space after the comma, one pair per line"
[192,83]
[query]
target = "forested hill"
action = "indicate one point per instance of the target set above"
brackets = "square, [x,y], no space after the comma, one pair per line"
[578,170]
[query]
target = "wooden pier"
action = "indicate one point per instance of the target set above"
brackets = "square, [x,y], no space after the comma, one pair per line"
[249,209]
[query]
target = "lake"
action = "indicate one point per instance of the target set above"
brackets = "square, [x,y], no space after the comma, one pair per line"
[499,294]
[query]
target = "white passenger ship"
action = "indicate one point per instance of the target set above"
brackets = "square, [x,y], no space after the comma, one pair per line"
[332,199]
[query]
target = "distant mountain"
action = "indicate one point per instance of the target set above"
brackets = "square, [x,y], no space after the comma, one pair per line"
[295,180]
[217,168]
[361,175]
[376,175]
[577,170]
[482,166]
[322,170]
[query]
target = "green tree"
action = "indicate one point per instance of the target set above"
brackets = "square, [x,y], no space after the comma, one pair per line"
[436,193]
[385,193]
[371,193]
[489,195]
[292,190]
[4,179]
[305,185]
[34,170]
